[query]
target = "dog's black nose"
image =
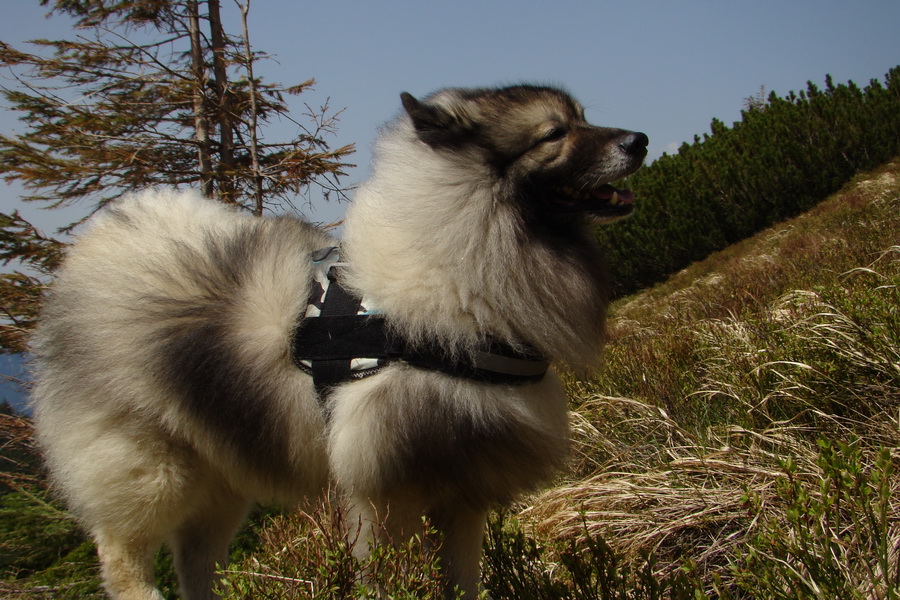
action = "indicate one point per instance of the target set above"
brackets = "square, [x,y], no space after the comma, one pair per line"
[634,143]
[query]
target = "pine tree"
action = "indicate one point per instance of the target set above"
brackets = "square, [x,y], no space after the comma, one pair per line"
[20,293]
[785,155]
[150,92]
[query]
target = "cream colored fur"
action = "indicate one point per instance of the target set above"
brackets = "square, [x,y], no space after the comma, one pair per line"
[166,399]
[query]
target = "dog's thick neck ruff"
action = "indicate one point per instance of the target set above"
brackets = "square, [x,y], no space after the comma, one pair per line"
[342,339]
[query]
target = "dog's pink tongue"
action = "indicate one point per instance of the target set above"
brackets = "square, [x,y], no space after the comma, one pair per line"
[614,195]
[625,196]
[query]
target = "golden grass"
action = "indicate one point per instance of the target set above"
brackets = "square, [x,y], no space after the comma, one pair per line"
[720,383]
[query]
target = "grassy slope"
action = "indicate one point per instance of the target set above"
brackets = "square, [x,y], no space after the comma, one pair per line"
[719,388]
[737,443]
[699,444]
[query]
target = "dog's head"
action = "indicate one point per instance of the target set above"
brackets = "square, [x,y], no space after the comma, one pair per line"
[538,145]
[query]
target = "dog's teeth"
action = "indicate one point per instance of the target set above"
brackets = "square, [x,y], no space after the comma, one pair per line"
[614,199]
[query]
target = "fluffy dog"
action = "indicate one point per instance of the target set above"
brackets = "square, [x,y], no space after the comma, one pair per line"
[169,397]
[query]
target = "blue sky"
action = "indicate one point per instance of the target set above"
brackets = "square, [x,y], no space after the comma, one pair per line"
[662,67]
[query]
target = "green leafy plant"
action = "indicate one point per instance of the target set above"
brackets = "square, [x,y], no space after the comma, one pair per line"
[308,554]
[835,538]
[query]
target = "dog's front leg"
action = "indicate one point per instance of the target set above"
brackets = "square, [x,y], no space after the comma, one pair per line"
[460,552]
[370,523]
[462,531]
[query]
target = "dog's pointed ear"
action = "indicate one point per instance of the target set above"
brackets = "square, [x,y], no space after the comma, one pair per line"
[435,125]
[424,116]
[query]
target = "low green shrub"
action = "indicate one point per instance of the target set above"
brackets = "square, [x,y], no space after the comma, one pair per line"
[833,538]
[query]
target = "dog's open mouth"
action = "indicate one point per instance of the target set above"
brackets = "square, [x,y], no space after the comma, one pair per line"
[603,201]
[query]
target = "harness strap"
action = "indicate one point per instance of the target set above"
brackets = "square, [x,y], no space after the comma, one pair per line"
[331,342]
[339,308]
[500,364]
[334,334]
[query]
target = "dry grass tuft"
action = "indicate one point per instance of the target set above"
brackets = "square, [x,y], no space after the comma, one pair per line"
[684,496]
[749,415]
[307,554]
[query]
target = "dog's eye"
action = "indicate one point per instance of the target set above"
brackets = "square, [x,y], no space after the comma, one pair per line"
[554,134]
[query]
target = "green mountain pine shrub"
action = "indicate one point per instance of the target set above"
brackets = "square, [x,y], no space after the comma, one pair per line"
[784,156]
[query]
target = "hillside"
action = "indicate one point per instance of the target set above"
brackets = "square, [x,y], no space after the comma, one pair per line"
[740,442]
[737,443]
[782,158]
[716,431]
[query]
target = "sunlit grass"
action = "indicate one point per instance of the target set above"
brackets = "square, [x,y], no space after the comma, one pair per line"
[721,384]
[740,441]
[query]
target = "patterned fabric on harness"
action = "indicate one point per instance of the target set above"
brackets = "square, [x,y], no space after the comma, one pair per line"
[343,339]
[327,263]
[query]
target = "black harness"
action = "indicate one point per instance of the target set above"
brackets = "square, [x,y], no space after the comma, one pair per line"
[329,346]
